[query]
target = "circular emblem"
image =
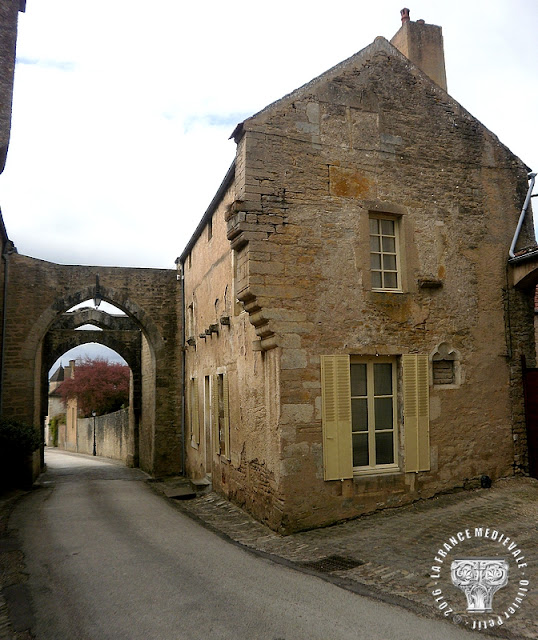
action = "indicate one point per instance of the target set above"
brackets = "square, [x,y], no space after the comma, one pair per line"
[479,578]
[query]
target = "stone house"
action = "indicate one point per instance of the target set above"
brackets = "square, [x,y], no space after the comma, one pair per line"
[352,340]
[56,406]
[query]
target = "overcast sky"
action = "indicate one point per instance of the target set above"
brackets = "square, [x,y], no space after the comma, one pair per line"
[123,108]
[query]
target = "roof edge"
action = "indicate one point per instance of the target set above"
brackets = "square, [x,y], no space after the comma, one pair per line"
[380,43]
[227,181]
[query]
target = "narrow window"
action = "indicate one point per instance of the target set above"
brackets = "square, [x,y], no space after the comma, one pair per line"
[221,421]
[207,422]
[210,229]
[190,321]
[384,254]
[194,414]
[373,413]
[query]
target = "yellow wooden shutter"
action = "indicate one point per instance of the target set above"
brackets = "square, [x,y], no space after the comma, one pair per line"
[416,412]
[226,421]
[215,412]
[336,417]
[195,415]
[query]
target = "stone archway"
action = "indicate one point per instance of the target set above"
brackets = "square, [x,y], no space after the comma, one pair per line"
[39,295]
[122,335]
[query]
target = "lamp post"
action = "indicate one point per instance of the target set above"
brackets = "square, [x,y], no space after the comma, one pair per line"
[94,451]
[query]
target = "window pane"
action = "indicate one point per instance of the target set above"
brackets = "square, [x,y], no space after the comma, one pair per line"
[376,279]
[374,225]
[358,379]
[374,243]
[360,449]
[387,227]
[391,280]
[389,262]
[375,260]
[389,244]
[382,379]
[383,413]
[359,414]
[384,450]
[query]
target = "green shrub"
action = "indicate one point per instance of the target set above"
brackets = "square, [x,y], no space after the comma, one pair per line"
[53,428]
[17,439]
[17,443]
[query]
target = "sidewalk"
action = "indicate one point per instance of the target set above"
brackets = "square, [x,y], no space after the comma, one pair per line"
[394,549]
[12,573]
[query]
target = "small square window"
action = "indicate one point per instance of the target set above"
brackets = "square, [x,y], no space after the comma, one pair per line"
[443,372]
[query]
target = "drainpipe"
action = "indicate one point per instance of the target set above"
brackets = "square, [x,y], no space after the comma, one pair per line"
[181,279]
[532,177]
[9,248]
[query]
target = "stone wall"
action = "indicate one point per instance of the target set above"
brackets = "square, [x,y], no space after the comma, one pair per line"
[112,436]
[9,13]
[220,338]
[40,292]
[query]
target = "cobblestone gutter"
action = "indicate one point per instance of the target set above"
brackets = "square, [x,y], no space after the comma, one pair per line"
[389,554]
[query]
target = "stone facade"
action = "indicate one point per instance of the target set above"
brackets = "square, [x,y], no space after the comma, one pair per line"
[281,278]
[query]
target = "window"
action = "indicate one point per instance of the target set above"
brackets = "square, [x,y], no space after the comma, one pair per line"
[194,413]
[446,366]
[190,321]
[221,420]
[384,255]
[373,413]
[207,422]
[359,414]
[443,372]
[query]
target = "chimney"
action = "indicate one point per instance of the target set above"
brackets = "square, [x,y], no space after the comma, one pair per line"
[423,44]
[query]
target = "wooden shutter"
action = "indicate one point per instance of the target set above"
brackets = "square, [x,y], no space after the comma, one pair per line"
[336,417]
[226,418]
[416,412]
[195,413]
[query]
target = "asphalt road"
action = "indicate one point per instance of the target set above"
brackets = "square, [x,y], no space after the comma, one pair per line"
[109,559]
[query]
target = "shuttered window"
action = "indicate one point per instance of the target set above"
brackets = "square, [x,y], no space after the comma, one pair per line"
[359,414]
[416,412]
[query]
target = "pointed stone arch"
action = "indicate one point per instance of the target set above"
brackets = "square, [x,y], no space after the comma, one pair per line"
[39,295]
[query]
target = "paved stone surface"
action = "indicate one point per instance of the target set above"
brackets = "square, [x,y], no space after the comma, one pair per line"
[397,546]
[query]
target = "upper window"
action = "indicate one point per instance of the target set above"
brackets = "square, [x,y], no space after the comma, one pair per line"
[373,413]
[384,255]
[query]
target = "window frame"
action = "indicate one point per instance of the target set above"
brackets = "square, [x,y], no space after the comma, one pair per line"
[371,431]
[397,252]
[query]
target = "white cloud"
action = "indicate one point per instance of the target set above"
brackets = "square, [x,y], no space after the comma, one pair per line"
[123,109]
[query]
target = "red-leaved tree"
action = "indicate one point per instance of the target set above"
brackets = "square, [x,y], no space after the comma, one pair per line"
[98,385]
